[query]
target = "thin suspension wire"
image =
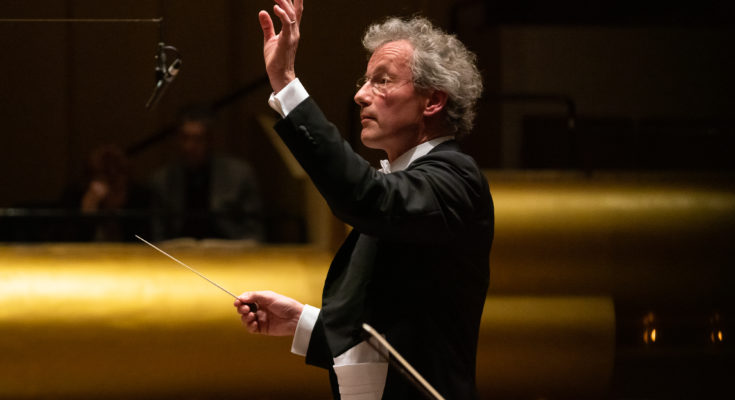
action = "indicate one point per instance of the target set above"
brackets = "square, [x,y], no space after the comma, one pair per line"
[88,20]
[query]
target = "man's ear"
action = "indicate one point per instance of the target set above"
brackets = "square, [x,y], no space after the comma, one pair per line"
[435,102]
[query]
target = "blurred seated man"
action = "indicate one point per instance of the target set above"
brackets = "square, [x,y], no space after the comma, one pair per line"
[203,195]
[111,202]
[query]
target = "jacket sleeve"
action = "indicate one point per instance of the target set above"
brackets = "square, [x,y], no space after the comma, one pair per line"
[318,353]
[428,203]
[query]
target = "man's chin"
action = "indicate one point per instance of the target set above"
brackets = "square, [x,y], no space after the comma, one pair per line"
[370,139]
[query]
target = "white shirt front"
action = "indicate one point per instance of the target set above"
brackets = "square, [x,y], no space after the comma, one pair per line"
[405,159]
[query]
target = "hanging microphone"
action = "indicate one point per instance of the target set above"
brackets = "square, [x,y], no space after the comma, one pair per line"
[164,74]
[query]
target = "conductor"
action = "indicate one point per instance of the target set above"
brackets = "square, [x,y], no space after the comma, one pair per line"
[416,264]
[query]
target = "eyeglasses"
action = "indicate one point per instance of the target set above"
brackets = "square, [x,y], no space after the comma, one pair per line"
[382,84]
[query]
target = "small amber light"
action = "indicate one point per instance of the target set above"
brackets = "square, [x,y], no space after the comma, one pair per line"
[649,328]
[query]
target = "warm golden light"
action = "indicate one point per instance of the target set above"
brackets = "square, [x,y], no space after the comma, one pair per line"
[120,321]
[716,337]
[715,334]
[130,285]
[649,330]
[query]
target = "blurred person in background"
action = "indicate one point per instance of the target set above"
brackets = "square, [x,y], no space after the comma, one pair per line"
[110,201]
[201,194]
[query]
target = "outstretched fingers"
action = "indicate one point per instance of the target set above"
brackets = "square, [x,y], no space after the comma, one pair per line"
[289,12]
[266,24]
[287,21]
[298,9]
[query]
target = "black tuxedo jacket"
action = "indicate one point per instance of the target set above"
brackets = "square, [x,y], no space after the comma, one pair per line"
[416,264]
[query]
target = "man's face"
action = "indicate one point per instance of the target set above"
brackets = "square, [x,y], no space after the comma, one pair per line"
[194,142]
[391,110]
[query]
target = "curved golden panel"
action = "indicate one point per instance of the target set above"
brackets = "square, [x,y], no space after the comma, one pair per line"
[79,321]
[122,320]
[626,235]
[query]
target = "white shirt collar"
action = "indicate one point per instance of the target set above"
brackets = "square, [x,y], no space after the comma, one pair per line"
[405,159]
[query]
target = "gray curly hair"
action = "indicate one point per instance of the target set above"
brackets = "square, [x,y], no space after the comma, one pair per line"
[440,61]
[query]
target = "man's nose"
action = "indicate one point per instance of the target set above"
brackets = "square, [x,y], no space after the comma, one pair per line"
[363,95]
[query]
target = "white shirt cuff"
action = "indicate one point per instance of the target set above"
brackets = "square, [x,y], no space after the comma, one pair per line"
[302,336]
[288,98]
[361,381]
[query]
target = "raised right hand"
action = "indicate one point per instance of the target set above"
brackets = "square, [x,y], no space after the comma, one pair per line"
[279,50]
